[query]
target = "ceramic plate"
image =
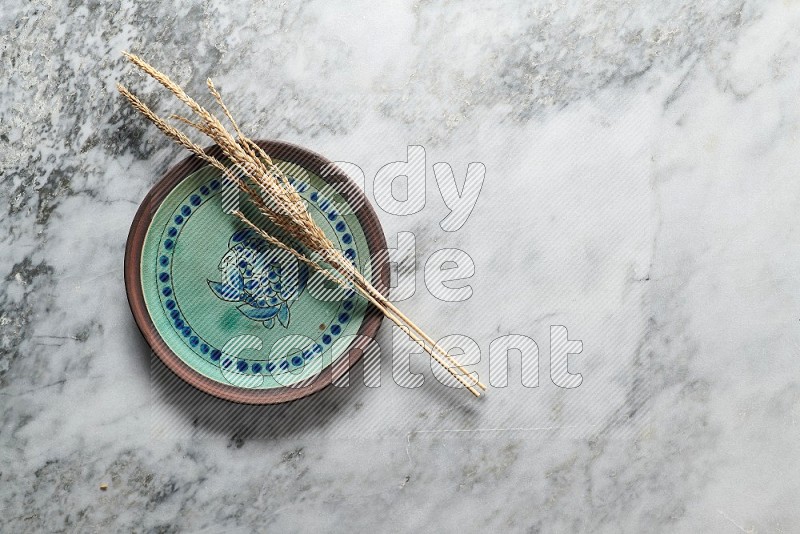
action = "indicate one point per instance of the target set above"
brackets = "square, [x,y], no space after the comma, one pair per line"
[229,313]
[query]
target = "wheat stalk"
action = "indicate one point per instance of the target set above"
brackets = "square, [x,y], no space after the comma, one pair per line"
[277,200]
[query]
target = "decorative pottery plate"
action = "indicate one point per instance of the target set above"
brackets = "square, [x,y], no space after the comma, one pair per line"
[233,315]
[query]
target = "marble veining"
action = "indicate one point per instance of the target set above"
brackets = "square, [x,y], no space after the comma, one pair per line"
[641,189]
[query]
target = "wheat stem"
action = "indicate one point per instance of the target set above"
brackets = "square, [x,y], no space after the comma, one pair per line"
[276,199]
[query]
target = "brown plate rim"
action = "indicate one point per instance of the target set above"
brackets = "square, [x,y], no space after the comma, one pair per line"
[376,242]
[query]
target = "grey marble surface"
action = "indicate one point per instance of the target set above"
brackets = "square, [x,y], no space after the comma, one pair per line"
[642,189]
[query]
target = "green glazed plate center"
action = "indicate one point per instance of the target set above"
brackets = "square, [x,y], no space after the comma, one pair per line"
[233,307]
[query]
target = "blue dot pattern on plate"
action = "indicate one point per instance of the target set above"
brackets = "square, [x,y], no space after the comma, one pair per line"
[192,338]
